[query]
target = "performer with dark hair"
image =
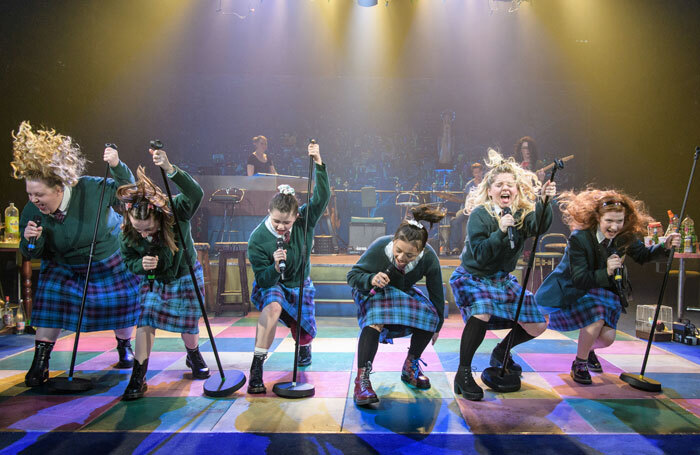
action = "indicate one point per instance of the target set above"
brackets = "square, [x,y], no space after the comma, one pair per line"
[390,305]
[259,161]
[151,249]
[275,254]
[581,291]
[66,204]
[525,154]
[504,212]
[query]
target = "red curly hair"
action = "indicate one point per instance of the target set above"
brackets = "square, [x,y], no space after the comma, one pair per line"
[583,210]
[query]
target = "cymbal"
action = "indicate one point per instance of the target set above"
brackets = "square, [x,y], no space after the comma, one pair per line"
[449,196]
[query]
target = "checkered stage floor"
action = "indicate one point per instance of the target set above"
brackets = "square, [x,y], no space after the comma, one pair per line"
[549,403]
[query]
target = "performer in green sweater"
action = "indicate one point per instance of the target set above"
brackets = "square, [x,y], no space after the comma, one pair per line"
[581,292]
[151,249]
[276,241]
[390,304]
[484,289]
[57,226]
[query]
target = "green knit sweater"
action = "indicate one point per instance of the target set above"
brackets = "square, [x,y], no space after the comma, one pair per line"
[169,266]
[69,242]
[263,243]
[374,260]
[488,248]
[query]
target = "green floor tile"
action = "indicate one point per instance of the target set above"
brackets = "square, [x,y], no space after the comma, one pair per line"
[452,345]
[60,360]
[322,361]
[338,332]
[643,416]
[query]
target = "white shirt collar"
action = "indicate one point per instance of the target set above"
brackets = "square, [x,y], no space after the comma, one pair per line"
[389,251]
[67,190]
[496,209]
[600,236]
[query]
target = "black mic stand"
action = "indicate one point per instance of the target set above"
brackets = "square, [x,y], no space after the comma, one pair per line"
[296,389]
[213,387]
[639,381]
[500,379]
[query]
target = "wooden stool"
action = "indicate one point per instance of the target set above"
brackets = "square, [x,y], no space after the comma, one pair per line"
[203,258]
[228,250]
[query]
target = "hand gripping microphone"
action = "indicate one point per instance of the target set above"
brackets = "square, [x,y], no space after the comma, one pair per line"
[617,275]
[151,273]
[37,221]
[377,288]
[283,263]
[511,229]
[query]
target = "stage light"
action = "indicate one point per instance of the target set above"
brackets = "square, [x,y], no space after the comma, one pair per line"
[367,2]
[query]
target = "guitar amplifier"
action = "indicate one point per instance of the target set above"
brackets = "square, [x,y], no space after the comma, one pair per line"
[364,231]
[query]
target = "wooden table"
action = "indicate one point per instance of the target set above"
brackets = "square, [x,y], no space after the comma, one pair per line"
[681,279]
[24,276]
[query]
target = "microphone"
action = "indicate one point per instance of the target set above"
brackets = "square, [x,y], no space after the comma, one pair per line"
[151,273]
[283,263]
[617,276]
[511,229]
[377,288]
[37,221]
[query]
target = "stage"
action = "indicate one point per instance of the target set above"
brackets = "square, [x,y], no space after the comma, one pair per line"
[550,414]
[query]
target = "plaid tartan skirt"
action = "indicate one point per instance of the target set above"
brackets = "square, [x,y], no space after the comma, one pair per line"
[172,306]
[597,304]
[111,301]
[287,297]
[399,312]
[496,295]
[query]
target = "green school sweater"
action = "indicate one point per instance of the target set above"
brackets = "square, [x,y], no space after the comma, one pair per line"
[263,243]
[69,242]
[170,266]
[488,248]
[374,260]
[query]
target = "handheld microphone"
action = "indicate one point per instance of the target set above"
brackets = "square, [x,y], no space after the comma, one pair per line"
[37,221]
[283,263]
[151,273]
[617,276]
[511,229]
[377,288]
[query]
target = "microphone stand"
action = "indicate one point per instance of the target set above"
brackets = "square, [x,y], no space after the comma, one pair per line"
[296,389]
[213,387]
[639,381]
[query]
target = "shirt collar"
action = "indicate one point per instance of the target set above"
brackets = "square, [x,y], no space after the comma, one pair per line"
[67,190]
[389,251]
[599,235]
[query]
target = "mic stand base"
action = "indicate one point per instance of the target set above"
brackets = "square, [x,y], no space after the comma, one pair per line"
[641,382]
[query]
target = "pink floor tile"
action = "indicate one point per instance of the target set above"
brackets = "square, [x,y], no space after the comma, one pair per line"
[393,361]
[86,344]
[560,363]
[249,332]
[692,405]
[605,386]
[456,332]
[629,347]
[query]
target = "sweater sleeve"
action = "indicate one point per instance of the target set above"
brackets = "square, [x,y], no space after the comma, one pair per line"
[319,199]
[263,266]
[28,213]
[642,254]
[191,194]
[360,275]
[433,282]
[533,218]
[131,257]
[121,175]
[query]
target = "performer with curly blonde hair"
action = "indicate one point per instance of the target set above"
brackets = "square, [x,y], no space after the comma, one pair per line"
[581,292]
[390,305]
[276,294]
[484,289]
[57,226]
[150,249]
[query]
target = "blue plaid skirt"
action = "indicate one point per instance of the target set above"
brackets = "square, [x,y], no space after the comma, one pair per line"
[172,306]
[597,304]
[287,297]
[399,312]
[496,295]
[111,301]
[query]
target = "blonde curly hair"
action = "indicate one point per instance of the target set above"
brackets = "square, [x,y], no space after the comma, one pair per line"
[527,183]
[47,156]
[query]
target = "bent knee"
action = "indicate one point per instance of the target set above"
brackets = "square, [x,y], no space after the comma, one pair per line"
[377,327]
[535,329]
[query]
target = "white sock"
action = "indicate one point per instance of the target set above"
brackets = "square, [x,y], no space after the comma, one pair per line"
[260,351]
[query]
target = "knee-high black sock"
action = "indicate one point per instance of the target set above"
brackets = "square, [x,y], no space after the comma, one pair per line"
[367,346]
[517,336]
[419,341]
[472,336]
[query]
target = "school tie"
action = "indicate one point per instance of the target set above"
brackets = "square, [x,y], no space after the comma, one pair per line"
[58,215]
[287,235]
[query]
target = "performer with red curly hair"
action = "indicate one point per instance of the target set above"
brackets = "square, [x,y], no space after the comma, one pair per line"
[581,292]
